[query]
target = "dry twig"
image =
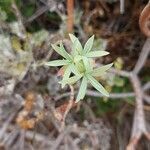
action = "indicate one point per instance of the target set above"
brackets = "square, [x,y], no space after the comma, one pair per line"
[20,20]
[70,104]
[70,10]
[139,125]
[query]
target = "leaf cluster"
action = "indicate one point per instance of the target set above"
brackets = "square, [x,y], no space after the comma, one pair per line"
[80,63]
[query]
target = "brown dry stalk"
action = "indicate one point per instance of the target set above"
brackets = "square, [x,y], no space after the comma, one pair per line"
[62,111]
[70,19]
[144,20]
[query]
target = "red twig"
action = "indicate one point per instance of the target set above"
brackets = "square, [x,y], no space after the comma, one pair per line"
[69,106]
[70,19]
[144,20]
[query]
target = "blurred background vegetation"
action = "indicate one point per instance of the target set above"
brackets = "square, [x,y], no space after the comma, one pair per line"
[29,27]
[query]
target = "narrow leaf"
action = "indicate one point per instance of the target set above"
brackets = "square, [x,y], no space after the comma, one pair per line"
[97,85]
[72,38]
[76,44]
[66,74]
[74,51]
[61,51]
[101,70]
[97,53]
[82,90]
[88,45]
[57,49]
[71,80]
[74,70]
[77,58]
[66,55]
[87,64]
[57,63]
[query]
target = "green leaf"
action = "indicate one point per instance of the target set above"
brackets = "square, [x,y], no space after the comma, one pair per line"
[66,55]
[97,85]
[61,50]
[97,53]
[80,66]
[72,38]
[57,49]
[87,64]
[76,44]
[71,80]
[66,74]
[77,47]
[77,58]
[74,51]
[28,10]
[57,63]
[74,69]
[101,70]
[82,90]
[88,45]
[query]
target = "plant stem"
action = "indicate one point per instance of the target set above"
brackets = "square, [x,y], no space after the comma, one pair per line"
[70,19]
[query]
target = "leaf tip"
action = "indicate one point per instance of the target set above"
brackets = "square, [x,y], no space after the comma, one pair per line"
[52,45]
[71,35]
[93,36]
[111,64]
[107,53]
[77,100]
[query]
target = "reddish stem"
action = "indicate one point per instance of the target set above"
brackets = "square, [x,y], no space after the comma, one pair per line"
[144,20]
[70,19]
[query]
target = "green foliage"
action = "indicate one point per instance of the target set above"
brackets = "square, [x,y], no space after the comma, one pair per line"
[28,10]
[3,15]
[80,63]
[103,107]
[6,7]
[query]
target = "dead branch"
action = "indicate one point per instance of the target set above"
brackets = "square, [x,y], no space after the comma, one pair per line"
[143,57]
[139,125]
[6,124]
[70,104]
[60,138]
[97,94]
[122,7]
[50,112]
[38,13]
[20,20]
